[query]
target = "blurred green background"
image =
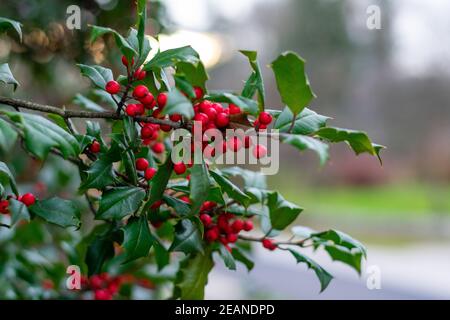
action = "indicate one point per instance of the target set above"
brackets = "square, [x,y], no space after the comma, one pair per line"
[391,82]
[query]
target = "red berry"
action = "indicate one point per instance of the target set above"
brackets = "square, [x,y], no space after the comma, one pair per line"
[162,99]
[234,109]
[265,118]
[212,235]
[125,61]
[147,100]
[28,199]
[211,113]
[218,107]
[139,74]
[149,173]
[157,114]
[131,110]
[203,118]
[237,226]
[102,294]
[175,117]
[140,109]
[247,142]
[112,87]
[198,93]
[165,127]
[140,91]
[96,282]
[268,244]
[232,237]
[223,240]
[94,147]
[141,164]
[204,105]
[158,147]
[156,205]
[147,132]
[259,151]
[234,144]
[179,168]
[248,225]
[206,219]
[222,120]
[4,206]
[185,199]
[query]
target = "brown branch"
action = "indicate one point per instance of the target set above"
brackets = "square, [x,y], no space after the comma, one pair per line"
[277,243]
[66,114]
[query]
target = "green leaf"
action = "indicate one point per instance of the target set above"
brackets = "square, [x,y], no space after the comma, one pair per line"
[63,213]
[6,23]
[99,175]
[192,276]
[282,212]
[18,211]
[247,105]
[345,255]
[307,122]
[188,238]
[86,103]
[230,189]
[7,77]
[358,140]
[184,85]
[199,186]
[162,255]
[137,238]
[255,81]
[303,232]
[117,203]
[100,250]
[180,207]
[342,239]
[41,135]
[241,257]
[252,179]
[323,275]
[178,103]
[308,143]
[6,177]
[129,162]
[227,258]
[98,75]
[194,73]
[8,136]
[140,44]
[160,180]
[171,57]
[292,82]
[124,47]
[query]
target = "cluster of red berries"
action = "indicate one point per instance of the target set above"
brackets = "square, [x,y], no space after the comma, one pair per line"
[105,286]
[223,227]
[27,199]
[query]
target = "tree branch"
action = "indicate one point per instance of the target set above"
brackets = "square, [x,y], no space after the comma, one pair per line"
[66,114]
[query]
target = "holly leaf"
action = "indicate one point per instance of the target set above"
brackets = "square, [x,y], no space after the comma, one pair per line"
[357,140]
[6,23]
[342,239]
[179,104]
[307,122]
[255,82]
[188,237]
[184,85]
[171,57]
[98,75]
[8,136]
[7,77]
[241,257]
[192,276]
[117,203]
[227,257]
[292,82]
[252,179]
[180,207]
[230,189]
[162,255]
[199,186]
[308,143]
[137,238]
[247,105]
[323,275]
[6,177]
[99,250]
[63,213]
[195,73]
[18,210]
[160,180]
[124,47]
[87,103]
[281,212]
[99,175]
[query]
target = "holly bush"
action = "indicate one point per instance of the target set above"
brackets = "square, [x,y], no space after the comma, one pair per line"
[142,222]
